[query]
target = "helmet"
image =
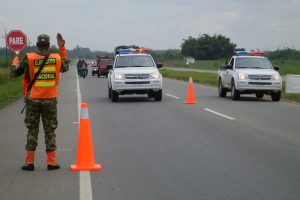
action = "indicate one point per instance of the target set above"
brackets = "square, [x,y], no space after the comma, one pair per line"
[43,39]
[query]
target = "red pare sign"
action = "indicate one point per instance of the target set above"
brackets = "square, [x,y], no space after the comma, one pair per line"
[16,40]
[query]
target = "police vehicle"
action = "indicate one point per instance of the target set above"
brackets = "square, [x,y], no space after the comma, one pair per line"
[249,73]
[134,72]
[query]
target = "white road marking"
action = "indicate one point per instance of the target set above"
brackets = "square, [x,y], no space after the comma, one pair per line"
[85,187]
[219,114]
[172,96]
[75,122]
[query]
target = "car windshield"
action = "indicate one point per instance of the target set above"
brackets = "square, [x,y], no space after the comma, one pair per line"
[252,62]
[134,61]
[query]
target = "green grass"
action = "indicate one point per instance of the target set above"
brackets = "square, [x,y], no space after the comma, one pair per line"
[200,64]
[287,66]
[203,78]
[10,88]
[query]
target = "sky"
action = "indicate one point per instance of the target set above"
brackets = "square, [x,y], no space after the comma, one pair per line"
[156,24]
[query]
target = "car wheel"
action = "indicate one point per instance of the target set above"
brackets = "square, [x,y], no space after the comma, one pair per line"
[235,94]
[275,96]
[221,90]
[114,96]
[158,96]
[259,95]
[109,92]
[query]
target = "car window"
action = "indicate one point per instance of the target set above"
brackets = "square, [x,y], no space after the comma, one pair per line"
[134,61]
[251,62]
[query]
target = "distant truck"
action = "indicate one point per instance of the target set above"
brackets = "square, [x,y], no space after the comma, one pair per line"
[101,69]
[249,73]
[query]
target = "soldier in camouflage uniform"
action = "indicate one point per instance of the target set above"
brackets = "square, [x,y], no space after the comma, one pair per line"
[45,108]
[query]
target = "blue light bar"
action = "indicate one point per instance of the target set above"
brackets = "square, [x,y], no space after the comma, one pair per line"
[123,51]
[240,53]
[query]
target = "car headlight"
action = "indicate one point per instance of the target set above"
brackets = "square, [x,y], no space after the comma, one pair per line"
[242,76]
[276,77]
[118,76]
[155,75]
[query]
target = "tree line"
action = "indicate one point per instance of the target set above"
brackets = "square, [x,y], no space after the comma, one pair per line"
[204,47]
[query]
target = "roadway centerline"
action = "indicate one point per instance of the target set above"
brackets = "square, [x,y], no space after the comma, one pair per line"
[85,187]
[219,114]
[172,96]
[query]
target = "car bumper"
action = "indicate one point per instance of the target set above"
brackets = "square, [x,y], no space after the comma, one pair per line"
[259,85]
[153,84]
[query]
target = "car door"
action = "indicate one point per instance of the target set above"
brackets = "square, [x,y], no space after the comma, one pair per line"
[228,73]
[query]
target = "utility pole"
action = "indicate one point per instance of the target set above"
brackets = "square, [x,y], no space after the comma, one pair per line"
[4,36]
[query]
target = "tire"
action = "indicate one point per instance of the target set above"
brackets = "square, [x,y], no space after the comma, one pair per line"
[158,96]
[275,96]
[235,94]
[114,96]
[221,90]
[109,92]
[259,95]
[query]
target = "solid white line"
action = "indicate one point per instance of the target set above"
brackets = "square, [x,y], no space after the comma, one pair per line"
[172,96]
[219,114]
[85,187]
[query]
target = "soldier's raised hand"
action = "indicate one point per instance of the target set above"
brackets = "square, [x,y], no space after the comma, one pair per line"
[60,40]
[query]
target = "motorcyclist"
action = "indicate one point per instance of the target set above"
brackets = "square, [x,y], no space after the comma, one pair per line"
[83,71]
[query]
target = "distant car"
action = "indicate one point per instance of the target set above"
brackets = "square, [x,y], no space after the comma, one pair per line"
[102,68]
[94,70]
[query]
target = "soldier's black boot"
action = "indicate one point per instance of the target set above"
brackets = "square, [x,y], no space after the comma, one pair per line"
[29,161]
[28,167]
[53,167]
[51,161]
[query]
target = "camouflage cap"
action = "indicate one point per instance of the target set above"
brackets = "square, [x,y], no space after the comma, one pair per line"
[43,39]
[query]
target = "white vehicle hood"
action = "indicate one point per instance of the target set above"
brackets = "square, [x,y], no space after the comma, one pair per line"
[257,71]
[136,70]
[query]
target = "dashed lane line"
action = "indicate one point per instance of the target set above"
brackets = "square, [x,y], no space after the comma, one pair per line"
[219,114]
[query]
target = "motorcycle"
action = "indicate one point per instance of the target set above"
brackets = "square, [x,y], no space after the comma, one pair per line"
[83,72]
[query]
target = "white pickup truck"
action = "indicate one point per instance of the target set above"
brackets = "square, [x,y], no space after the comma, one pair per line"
[249,74]
[134,73]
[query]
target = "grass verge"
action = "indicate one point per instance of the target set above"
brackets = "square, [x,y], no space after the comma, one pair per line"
[10,88]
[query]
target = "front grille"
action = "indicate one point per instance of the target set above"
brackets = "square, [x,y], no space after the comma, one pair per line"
[137,76]
[260,77]
[138,82]
[260,83]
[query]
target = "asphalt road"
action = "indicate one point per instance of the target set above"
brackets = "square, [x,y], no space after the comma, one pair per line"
[218,149]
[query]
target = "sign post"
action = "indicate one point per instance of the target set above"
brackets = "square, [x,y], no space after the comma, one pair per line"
[16,40]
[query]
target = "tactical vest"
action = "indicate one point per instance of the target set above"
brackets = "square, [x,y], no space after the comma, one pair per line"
[46,84]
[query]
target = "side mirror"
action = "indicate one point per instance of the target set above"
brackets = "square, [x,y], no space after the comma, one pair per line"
[159,65]
[276,68]
[228,67]
[109,67]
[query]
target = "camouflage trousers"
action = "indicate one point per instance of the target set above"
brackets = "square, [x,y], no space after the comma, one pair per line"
[47,110]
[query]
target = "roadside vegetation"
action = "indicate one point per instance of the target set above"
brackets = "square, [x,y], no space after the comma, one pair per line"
[10,88]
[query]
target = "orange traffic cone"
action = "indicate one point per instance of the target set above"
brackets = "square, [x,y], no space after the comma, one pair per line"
[85,152]
[191,95]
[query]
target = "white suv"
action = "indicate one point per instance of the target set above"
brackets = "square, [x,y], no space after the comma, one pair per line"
[134,73]
[248,74]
